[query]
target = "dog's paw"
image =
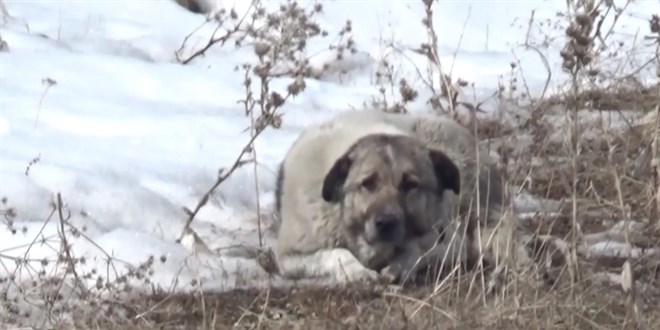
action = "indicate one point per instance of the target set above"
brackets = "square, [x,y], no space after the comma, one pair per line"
[349,269]
[392,273]
[361,275]
[400,268]
[552,256]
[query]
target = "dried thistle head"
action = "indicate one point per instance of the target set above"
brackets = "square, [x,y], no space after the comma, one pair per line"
[578,50]
[276,99]
[261,48]
[266,259]
[297,86]
[408,94]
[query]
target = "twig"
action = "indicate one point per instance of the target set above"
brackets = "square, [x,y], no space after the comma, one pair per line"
[66,248]
[460,41]
[222,176]
[655,168]
[546,64]
[445,86]
[213,40]
[253,129]
[178,52]
[49,83]
[34,241]
[34,161]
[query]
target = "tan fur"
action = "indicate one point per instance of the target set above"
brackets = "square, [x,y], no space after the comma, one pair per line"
[314,239]
[496,229]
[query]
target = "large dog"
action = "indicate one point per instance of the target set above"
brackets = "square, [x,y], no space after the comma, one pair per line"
[369,194]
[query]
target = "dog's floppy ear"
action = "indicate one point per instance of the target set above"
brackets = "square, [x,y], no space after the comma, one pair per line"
[446,171]
[335,179]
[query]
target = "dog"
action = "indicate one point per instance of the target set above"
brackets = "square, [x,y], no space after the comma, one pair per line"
[370,195]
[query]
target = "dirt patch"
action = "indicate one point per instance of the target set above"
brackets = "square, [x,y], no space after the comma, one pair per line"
[634,97]
[587,305]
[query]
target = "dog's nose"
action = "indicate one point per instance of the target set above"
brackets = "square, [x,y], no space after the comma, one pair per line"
[387,226]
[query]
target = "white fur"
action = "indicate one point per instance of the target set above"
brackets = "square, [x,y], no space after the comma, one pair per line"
[310,236]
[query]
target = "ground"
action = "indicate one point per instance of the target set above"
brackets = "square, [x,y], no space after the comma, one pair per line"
[359,307]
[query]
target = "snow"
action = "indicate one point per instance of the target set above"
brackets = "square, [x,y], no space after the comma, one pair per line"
[129,137]
[616,249]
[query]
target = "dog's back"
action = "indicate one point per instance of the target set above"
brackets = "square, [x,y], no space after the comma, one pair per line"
[439,132]
[305,224]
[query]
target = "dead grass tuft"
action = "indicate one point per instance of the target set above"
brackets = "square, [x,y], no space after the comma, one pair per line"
[358,307]
[641,98]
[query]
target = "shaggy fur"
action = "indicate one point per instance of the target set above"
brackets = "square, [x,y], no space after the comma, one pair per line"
[330,209]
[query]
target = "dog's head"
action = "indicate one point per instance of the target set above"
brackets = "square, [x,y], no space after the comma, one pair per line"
[390,188]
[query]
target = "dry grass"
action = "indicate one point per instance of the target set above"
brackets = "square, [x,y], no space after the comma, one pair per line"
[600,305]
[642,98]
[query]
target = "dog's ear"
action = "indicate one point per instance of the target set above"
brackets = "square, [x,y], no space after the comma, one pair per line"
[335,179]
[446,171]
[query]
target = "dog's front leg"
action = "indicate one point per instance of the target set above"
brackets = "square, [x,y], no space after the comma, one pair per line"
[337,263]
[434,249]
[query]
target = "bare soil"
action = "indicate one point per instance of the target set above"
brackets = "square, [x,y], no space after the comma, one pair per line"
[588,305]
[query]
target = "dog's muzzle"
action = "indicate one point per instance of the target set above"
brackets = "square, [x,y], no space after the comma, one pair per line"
[387,226]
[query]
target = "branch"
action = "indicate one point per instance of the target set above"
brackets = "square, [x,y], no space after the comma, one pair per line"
[222,176]
[214,40]
[67,249]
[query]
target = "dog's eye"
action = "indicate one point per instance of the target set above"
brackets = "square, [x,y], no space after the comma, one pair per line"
[370,183]
[408,184]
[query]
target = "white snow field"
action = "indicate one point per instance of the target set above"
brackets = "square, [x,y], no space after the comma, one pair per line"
[129,137]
